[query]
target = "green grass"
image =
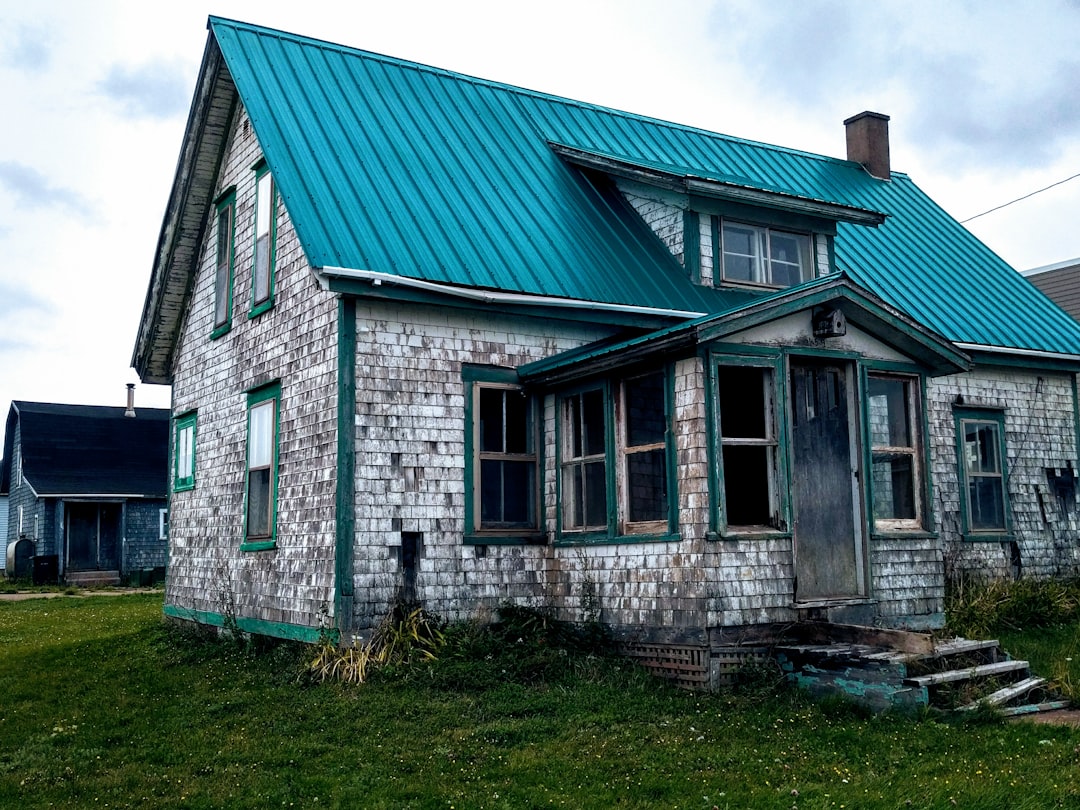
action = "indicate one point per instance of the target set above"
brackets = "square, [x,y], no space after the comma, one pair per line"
[103,706]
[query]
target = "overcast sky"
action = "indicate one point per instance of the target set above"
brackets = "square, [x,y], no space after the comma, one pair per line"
[984,98]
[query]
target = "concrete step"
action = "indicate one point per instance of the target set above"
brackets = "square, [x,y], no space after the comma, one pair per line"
[968,673]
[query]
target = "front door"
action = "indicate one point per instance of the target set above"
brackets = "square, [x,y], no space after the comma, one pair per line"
[829,557]
[93,533]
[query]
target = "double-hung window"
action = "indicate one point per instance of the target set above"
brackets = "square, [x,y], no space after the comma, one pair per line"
[896,473]
[615,458]
[184,452]
[262,462]
[262,279]
[223,267]
[754,254]
[984,494]
[749,450]
[505,491]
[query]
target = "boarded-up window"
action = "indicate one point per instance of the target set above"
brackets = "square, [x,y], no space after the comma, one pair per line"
[749,446]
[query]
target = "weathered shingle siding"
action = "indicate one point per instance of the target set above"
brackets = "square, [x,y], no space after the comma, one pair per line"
[143,547]
[410,443]
[1039,434]
[295,343]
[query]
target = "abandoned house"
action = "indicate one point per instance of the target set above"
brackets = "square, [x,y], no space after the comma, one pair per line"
[87,490]
[438,337]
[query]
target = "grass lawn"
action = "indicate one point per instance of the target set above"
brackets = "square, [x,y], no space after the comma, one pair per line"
[103,706]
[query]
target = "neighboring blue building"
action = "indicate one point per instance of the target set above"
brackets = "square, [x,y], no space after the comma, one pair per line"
[86,488]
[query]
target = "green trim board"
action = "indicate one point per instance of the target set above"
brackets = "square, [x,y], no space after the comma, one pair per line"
[345,494]
[979,465]
[225,231]
[184,442]
[289,632]
[262,444]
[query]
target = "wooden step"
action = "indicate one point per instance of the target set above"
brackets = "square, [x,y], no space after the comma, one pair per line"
[1011,692]
[1036,708]
[968,673]
[962,646]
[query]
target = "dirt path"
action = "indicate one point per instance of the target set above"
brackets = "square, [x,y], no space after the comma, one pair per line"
[22,596]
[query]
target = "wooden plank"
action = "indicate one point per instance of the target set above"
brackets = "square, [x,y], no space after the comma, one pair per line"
[952,675]
[960,646]
[1008,693]
[1036,708]
[903,640]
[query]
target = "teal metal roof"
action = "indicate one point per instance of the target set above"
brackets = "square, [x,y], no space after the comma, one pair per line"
[401,168]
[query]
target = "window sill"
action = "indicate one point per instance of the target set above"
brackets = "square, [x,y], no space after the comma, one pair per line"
[611,540]
[259,309]
[224,329]
[750,533]
[183,487]
[903,534]
[531,539]
[988,537]
[259,545]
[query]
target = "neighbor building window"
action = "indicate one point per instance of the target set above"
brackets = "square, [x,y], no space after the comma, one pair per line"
[896,473]
[163,524]
[753,254]
[262,282]
[184,452]
[223,266]
[261,500]
[984,493]
[749,447]
[616,479]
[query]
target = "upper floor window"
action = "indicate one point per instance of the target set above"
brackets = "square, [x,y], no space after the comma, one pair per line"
[262,280]
[896,474]
[753,254]
[984,495]
[184,452]
[223,266]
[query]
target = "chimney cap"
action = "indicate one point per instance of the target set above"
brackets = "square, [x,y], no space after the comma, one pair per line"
[867,114]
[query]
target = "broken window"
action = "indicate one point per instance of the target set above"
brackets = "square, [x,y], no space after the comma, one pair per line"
[748,446]
[896,474]
[984,495]
[506,491]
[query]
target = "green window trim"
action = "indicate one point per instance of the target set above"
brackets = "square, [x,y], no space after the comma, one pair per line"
[770,362]
[263,418]
[265,228]
[184,436]
[604,517]
[896,454]
[225,261]
[488,381]
[983,474]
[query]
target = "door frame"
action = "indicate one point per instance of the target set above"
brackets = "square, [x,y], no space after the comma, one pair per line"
[853,395]
[120,530]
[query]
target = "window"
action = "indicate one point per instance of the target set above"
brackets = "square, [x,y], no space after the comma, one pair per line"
[616,481]
[896,479]
[223,270]
[262,280]
[184,452]
[749,448]
[983,492]
[752,254]
[505,491]
[261,500]
[163,524]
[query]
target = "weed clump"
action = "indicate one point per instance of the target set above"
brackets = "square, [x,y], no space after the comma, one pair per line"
[979,608]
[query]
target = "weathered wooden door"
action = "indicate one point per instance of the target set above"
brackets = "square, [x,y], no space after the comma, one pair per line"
[93,533]
[828,551]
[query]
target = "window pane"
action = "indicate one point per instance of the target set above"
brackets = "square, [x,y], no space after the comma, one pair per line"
[890,417]
[746,485]
[491,420]
[789,260]
[264,207]
[592,418]
[986,502]
[518,432]
[742,254]
[981,447]
[261,281]
[646,482]
[184,455]
[259,503]
[894,487]
[261,435]
[224,256]
[743,404]
[595,494]
[519,500]
[645,423]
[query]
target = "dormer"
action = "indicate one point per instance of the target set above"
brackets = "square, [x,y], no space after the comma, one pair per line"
[728,231]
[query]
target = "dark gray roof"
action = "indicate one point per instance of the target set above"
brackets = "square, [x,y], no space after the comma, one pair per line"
[89,450]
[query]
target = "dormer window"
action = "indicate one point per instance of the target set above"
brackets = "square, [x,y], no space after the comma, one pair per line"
[752,254]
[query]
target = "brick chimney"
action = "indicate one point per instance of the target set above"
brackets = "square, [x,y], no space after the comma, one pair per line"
[868,142]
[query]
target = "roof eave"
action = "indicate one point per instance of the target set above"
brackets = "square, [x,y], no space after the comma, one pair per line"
[717,189]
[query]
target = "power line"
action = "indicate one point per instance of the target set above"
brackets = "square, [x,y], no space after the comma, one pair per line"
[1018,199]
